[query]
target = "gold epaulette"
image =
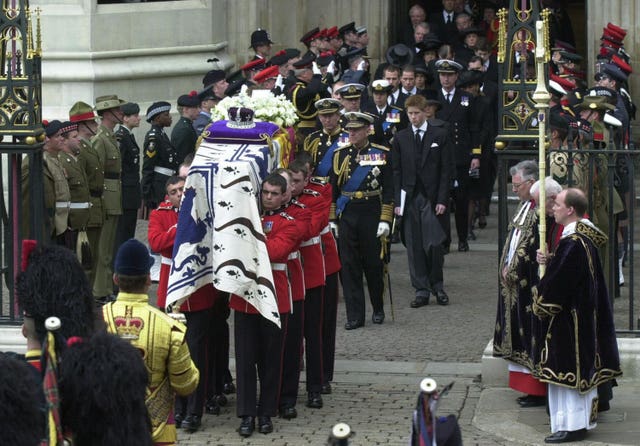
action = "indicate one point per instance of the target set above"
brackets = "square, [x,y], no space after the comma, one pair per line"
[286,216]
[386,213]
[378,146]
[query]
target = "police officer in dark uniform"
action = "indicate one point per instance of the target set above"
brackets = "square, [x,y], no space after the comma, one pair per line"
[130,155]
[160,157]
[361,213]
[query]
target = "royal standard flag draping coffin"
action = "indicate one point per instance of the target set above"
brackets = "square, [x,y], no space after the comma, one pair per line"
[219,235]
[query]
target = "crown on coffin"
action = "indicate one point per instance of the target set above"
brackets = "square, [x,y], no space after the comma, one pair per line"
[240,118]
[127,326]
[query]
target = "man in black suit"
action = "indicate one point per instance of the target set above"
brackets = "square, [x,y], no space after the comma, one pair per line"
[457,107]
[131,192]
[444,23]
[421,163]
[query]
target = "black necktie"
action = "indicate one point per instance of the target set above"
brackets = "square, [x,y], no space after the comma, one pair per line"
[448,19]
[418,141]
[449,98]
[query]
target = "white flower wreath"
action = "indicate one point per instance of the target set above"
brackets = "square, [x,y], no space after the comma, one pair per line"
[266,107]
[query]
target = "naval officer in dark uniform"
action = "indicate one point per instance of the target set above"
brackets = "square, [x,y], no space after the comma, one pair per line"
[361,213]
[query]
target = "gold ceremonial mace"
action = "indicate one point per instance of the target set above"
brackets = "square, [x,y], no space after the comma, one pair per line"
[541,96]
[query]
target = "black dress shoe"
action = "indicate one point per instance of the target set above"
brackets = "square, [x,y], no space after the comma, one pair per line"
[326,389]
[178,418]
[265,426]
[212,406]
[482,222]
[442,298]
[288,413]
[532,401]
[419,301]
[463,246]
[446,249]
[314,400]
[352,325]
[566,436]
[229,388]
[471,235]
[192,423]
[221,399]
[378,317]
[247,426]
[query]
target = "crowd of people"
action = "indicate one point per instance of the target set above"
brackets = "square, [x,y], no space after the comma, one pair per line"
[384,153]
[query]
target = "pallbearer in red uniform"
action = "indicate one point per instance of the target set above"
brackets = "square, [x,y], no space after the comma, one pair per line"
[258,342]
[295,326]
[198,308]
[314,279]
[319,148]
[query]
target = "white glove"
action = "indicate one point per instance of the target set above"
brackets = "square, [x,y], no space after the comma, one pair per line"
[315,68]
[279,81]
[383,229]
[331,68]
[334,228]
[360,66]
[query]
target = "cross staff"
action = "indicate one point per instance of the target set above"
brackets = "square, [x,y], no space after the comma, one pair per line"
[541,96]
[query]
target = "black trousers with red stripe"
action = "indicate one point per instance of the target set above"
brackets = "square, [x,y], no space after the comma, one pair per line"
[258,344]
[292,355]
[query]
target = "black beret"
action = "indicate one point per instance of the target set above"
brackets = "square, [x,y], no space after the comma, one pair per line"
[51,127]
[130,108]
[189,100]
[212,77]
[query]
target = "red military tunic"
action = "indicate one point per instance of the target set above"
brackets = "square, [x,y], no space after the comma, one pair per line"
[311,248]
[330,247]
[282,234]
[302,216]
[163,223]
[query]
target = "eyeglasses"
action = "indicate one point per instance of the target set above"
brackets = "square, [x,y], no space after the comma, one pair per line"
[516,186]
